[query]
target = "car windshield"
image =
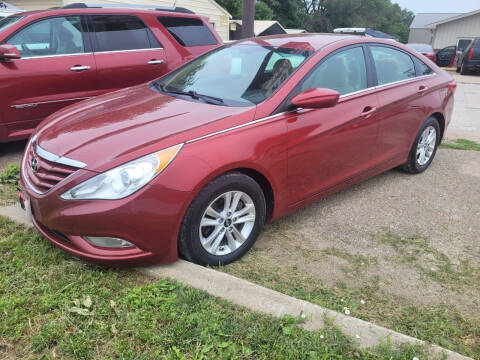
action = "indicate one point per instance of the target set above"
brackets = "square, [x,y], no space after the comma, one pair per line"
[235,75]
[421,48]
[8,21]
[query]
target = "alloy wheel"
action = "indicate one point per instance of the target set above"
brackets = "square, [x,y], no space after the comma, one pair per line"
[227,223]
[426,145]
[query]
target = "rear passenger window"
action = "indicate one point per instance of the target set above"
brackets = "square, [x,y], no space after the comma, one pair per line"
[344,72]
[392,65]
[120,32]
[188,31]
[422,68]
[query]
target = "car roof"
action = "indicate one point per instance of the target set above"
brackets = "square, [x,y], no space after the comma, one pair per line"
[308,41]
[108,10]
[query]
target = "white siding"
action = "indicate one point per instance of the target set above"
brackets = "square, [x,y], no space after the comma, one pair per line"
[420,36]
[216,15]
[446,34]
[35,4]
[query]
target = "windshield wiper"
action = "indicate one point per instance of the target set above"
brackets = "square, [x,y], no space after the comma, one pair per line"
[193,94]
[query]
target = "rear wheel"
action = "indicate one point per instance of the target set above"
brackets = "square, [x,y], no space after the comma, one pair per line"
[424,147]
[223,221]
[463,69]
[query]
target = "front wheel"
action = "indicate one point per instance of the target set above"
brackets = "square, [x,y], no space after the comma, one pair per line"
[223,221]
[424,147]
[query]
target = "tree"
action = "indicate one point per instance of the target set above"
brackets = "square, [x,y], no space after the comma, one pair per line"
[234,7]
[287,12]
[263,11]
[325,15]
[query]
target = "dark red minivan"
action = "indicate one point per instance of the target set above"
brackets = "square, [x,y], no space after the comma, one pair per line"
[194,163]
[53,58]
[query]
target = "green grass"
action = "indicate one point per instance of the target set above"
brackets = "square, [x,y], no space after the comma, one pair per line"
[410,250]
[54,306]
[9,179]
[460,144]
[356,262]
[443,325]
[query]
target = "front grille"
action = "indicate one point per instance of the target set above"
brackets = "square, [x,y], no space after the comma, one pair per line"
[47,173]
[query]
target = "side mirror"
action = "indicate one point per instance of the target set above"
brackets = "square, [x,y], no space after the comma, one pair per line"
[316,98]
[9,52]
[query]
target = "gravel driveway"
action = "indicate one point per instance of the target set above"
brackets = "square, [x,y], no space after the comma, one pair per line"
[417,236]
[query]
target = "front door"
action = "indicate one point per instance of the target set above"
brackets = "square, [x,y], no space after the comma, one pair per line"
[446,56]
[126,51]
[56,69]
[329,146]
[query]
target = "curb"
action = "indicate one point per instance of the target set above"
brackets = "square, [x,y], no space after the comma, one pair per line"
[15,213]
[259,299]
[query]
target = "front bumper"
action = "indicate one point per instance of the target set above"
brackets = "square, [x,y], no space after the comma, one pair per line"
[149,219]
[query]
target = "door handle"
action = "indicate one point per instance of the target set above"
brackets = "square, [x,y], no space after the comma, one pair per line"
[80,68]
[369,110]
[422,89]
[155,62]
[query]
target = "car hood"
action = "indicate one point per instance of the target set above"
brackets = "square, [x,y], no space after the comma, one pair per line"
[121,126]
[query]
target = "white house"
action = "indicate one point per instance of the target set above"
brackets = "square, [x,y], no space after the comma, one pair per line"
[453,30]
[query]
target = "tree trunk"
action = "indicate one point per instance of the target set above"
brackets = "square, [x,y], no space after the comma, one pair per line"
[248,16]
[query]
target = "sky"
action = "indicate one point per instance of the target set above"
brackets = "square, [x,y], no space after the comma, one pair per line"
[439,6]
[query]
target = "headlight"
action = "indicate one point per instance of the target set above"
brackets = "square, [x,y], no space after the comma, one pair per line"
[125,179]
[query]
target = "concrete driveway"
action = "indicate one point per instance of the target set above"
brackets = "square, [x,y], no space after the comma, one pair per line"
[466,113]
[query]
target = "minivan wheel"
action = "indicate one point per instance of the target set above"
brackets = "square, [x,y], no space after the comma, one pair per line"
[463,69]
[424,147]
[223,221]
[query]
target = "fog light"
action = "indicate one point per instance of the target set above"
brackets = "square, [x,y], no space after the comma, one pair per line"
[109,242]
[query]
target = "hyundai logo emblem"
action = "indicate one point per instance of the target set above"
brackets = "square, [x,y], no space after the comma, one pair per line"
[34,164]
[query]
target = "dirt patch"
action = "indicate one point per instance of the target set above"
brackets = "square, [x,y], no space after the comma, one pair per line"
[417,237]
[11,153]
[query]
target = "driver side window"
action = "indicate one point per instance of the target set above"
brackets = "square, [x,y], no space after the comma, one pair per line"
[344,72]
[54,36]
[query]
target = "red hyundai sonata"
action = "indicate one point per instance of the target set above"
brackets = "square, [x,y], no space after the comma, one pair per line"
[194,164]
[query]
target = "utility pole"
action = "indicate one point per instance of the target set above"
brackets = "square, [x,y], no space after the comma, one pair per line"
[248,16]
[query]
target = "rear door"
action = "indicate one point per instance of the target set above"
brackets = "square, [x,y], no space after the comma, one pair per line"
[401,96]
[57,68]
[126,51]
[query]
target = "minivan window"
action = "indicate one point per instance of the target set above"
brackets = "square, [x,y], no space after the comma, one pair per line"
[392,65]
[8,21]
[119,32]
[344,72]
[188,31]
[54,36]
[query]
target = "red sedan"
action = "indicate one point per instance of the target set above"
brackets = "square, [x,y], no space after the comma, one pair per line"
[194,164]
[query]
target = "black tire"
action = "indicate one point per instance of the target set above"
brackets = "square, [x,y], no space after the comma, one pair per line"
[412,166]
[189,244]
[463,69]
[458,69]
